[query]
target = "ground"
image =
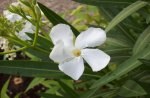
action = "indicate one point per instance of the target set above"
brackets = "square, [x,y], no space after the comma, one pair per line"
[56,5]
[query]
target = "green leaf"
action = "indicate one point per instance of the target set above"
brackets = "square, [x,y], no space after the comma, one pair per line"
[46,95]
[30,68]
[89,93]
[42,42]
[116,42]
[120,32]
[70,92]
[4,90]
[123,68]
[54,18]
[142,41]
[107,94]
[118,51]
[125,13]
[145,79]
[34,82]
[146,62]
[107,3]
[131,89]
[18,95]
[36,69]
[37,55]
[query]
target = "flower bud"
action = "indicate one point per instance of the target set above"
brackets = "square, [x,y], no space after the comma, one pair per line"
[38,12]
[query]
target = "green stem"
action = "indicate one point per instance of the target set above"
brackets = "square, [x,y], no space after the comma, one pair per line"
[36,34]
[40,49]
[27,45]
[7,52]
[37,26]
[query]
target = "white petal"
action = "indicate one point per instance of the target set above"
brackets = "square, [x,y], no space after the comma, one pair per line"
[15,4]
[62,32]
[29,28]
[11,16]
[22,35]
[90,38]
[59,53]
[73,68]
[96,58]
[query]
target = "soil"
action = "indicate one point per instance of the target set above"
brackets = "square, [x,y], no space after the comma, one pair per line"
[58,6]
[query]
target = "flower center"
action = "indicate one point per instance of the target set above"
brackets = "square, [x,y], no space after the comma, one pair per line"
[76,52]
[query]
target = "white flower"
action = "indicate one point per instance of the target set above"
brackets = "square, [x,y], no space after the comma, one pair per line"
[10,56]
[11,16]
[3,43]
[29,28]
[70,55]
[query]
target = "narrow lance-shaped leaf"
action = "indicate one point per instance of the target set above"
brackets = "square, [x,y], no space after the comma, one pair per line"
[120,31]
[145,62]
[125,13]
[123,68]
[42,41]
[70,92]
[142,41]
[4,90]
[131,89]
[34,82]
[36,69]
[46,95]
[54,18]
[89,93]
[107,3]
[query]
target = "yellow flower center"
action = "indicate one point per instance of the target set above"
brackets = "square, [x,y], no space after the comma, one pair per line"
[76,52]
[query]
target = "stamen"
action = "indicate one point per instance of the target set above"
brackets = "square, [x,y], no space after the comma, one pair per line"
[76,52]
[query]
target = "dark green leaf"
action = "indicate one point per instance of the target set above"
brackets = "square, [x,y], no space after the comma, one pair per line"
[123,68]
[46,95]
[107,3]
[54,18]
[36,69]
[142,41]
[145,79]
[89,93]
[146,62]
[131,89]
[42,42]
[37,55]
[70,92]
[4,90]
[120,32]
[125,13]
[34,82]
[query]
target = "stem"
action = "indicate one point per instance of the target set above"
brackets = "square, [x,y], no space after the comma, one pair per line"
[37,26]
[7,52]
[40,49]
[28,45]
[36,34]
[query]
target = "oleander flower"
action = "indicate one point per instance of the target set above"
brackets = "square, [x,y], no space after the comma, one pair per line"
[70,54]
[29,28]
[10,56]
[3,43]
[12,16]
